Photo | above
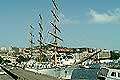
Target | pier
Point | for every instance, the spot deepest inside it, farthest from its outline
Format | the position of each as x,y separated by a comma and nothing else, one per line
21,74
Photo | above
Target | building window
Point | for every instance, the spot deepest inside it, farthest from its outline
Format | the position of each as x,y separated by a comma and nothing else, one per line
113,74
118,74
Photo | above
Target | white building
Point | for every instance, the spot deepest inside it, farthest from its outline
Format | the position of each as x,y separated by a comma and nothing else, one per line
3,49
104,54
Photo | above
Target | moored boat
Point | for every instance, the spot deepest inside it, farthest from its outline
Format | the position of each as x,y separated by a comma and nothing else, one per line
108,74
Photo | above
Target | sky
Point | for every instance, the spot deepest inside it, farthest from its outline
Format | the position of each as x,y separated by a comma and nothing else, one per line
83,23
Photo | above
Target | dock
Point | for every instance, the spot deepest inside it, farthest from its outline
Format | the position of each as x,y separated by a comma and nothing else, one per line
26,75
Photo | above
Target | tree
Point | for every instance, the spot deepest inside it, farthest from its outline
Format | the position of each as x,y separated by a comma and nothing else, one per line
20,59
115,55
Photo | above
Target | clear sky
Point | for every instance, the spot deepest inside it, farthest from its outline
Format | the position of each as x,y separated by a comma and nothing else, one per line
84,23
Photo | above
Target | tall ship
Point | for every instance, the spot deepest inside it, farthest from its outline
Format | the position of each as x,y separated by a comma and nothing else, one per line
57,65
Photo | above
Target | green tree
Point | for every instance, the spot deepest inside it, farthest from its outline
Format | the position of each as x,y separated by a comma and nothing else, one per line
27,58
44,59
20,59
115,55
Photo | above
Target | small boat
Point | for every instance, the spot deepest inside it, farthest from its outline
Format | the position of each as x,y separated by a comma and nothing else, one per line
108,74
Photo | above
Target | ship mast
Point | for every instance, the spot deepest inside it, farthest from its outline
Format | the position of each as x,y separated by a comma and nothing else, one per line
40,37
31,40
55,29
55,40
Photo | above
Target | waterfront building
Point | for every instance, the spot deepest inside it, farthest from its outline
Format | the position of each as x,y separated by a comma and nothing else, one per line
3,49
104,54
